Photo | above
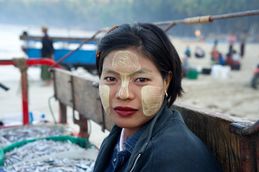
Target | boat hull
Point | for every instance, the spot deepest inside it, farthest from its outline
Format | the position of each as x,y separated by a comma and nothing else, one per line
78,58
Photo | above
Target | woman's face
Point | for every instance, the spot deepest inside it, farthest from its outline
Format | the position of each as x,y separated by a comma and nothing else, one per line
131,88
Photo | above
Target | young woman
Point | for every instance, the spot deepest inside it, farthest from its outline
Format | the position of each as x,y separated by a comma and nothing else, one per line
140,78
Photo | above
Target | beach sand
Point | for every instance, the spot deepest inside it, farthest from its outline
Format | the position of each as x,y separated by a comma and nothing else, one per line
230,95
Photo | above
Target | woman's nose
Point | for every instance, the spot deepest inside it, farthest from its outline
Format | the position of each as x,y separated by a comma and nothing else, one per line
124,92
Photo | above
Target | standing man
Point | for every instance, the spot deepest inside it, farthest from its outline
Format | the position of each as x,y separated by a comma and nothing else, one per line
242,43
47,51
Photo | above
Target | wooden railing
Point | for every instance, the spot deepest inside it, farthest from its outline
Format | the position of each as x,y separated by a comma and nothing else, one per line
235,144
22,64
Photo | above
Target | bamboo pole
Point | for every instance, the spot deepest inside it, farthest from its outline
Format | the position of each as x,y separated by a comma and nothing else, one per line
205,19
169,24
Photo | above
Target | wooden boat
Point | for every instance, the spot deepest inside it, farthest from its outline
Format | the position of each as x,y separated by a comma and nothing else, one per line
84,57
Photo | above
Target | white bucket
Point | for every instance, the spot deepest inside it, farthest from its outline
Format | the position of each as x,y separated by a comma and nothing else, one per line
220,72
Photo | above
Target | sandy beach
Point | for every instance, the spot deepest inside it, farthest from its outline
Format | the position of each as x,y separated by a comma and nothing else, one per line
231,95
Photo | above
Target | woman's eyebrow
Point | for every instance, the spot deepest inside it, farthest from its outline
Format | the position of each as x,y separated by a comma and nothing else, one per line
142,71
109,71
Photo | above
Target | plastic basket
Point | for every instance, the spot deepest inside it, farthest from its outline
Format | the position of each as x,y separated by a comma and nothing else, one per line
192,74
82,142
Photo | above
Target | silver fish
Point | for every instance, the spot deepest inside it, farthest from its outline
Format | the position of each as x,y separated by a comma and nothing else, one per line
15,134
47,155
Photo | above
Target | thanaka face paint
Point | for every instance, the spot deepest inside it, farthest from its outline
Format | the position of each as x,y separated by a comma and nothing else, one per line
104,91
126,63
152,99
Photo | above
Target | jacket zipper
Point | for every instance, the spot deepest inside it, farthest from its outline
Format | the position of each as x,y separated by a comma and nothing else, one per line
135,162
148,138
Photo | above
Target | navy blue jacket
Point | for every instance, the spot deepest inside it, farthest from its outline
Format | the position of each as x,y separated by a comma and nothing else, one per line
166,145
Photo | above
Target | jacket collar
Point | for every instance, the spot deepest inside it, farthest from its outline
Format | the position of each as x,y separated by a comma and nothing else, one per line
149,129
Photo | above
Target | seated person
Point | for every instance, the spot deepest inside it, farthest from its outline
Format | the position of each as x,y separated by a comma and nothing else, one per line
199,52
140,78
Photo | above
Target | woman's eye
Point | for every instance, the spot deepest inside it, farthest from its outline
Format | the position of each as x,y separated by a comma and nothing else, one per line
110,79
142,80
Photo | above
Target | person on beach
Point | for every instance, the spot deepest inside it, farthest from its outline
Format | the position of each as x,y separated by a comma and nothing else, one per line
231,40
243,37
47,51
255,79
140,78
185,61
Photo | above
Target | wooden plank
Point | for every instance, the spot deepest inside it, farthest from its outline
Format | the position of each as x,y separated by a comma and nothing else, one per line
54,38
81,94
235,152
62,113
87,101
62,83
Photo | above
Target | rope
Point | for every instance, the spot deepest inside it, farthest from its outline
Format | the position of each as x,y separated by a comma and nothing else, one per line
80,45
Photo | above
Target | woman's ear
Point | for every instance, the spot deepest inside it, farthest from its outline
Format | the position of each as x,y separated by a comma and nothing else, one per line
168,79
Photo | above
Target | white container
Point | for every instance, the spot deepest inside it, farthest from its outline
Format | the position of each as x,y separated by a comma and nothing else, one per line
220,72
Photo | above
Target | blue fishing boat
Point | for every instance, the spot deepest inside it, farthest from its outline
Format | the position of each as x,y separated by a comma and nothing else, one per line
83,56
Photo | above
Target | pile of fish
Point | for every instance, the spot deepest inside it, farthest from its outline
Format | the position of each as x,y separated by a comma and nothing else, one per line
61,165
48,155
15,134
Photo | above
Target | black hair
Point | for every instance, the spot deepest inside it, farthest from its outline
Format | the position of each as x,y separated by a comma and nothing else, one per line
153,43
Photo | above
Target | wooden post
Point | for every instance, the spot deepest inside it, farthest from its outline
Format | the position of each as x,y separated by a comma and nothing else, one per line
246,155
62,113
83,126
22,65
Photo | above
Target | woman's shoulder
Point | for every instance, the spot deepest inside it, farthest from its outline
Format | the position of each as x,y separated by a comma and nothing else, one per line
180,146
170,119
173,131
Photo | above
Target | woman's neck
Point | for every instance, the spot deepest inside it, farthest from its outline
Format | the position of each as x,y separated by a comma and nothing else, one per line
129,132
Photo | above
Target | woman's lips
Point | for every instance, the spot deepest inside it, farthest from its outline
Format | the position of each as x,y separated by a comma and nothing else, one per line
124,111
